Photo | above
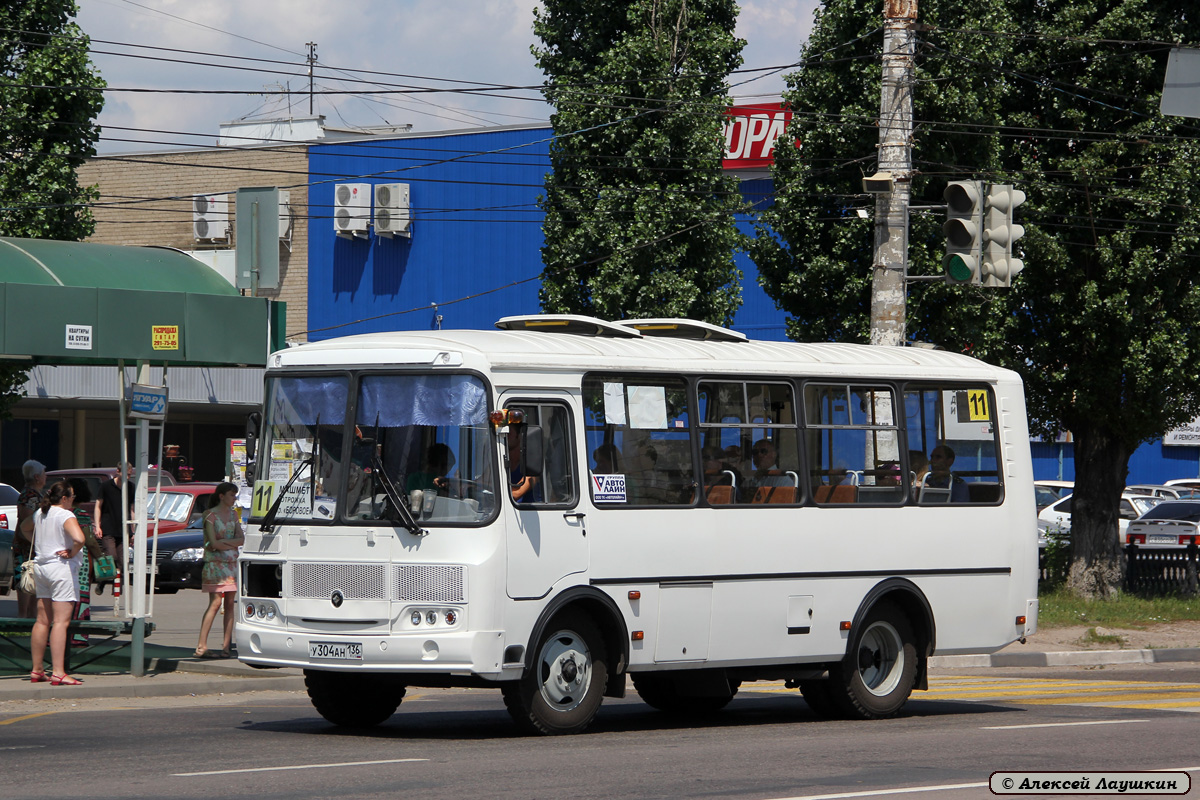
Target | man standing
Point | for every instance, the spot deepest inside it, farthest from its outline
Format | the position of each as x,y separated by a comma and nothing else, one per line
34,473
108,515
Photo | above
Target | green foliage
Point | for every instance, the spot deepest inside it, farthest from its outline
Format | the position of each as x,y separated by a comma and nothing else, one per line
48,105
638,214
1060,98
48,90
1059,608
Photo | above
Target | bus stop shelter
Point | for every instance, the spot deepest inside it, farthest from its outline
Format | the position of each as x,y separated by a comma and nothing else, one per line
76,303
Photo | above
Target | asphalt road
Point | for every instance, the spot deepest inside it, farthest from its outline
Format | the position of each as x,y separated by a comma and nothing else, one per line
461,744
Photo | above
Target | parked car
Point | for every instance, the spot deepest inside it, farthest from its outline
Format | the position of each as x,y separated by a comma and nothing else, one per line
1058,515
1163,490
1172,523
95,477
179,560
1187,483
176,507
1047,492
8,527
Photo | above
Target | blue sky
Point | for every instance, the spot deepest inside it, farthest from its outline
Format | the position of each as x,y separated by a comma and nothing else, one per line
458,41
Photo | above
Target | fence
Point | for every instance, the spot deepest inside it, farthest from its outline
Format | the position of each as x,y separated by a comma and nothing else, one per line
1147,571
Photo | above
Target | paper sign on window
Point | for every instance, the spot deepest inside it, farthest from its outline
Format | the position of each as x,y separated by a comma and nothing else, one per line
614,403
647,407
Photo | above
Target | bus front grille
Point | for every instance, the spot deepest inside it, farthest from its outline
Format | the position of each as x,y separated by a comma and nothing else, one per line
430,583
354,581
411,583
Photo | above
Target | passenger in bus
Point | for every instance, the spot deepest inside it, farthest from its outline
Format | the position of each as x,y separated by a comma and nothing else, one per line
648,484
941,459
766,466
439,460
608,460
524,488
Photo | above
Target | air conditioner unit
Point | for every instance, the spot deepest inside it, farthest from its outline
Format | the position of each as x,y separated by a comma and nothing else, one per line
352,209
285,215
393,214
210,216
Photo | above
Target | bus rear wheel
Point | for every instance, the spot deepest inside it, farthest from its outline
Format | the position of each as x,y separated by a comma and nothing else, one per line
561,692
353,699
877,675
660,691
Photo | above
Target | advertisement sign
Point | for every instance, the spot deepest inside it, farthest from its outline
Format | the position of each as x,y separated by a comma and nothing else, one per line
751,133
1186,435
148,402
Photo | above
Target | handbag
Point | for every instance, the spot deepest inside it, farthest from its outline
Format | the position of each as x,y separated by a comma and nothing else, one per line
28,575
105,568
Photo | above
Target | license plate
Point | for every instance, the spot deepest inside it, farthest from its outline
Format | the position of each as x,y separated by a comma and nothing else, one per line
349,651
1162,538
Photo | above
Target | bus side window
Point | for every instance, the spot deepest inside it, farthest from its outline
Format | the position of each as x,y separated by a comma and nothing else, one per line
952,439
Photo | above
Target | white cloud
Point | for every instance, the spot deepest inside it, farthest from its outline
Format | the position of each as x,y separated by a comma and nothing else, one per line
460,40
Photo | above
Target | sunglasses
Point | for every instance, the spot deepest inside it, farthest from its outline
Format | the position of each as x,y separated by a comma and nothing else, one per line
762,451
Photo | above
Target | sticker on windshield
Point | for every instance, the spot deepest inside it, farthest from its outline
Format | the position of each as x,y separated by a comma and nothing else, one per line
608,488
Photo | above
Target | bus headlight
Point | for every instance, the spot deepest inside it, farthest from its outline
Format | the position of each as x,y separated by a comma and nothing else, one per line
416,618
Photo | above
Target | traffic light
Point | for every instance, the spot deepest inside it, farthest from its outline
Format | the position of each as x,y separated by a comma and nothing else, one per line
999,232
964,231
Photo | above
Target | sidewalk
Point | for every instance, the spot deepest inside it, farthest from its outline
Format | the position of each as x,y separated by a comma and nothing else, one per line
171,671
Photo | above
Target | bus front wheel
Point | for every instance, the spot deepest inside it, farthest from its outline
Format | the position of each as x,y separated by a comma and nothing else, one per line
353,699
877,675
561,692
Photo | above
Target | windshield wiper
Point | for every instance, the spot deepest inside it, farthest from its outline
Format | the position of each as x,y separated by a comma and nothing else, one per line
268,523
398,504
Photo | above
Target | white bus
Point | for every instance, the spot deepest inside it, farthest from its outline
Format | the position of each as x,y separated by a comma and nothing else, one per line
565,503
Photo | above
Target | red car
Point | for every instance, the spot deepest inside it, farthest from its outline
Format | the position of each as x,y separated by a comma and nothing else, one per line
175,507
95,477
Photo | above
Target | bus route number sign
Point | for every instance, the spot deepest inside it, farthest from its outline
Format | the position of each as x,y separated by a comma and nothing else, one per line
973,406
264,495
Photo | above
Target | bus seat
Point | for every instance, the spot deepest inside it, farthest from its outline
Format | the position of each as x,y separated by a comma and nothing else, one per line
775,494
842,493
720,495
984,492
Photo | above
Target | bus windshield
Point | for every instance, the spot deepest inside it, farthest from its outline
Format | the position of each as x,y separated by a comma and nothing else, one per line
420,440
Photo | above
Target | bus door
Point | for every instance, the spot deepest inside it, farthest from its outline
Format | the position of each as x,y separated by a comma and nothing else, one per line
545,527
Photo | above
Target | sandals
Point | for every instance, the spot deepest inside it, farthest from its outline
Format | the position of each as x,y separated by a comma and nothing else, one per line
198,653
37,676
64,680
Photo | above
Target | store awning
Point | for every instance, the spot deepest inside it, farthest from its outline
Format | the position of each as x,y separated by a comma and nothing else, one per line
82,303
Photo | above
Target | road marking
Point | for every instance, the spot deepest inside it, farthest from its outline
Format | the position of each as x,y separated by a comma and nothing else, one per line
300,766
1138,695
918,789
1061,724
27,716
881,792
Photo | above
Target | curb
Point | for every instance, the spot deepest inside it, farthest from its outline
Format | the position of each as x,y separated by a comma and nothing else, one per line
1074,658
151,686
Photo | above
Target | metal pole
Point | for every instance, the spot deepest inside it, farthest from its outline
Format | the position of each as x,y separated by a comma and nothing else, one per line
137,602
895,156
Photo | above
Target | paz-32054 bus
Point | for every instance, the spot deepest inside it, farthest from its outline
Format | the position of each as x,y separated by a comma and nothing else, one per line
565,504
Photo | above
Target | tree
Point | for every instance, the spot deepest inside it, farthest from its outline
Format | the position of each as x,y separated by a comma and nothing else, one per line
1059,97
638,215
49,99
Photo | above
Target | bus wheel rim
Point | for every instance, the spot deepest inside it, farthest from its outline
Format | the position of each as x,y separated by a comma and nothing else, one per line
880,658
565,670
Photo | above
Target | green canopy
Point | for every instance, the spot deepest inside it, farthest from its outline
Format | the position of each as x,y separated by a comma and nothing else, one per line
82,303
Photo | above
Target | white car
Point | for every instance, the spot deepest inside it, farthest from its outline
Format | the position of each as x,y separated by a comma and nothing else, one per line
1165,491
8,527
1047,492
1057,516
1173,523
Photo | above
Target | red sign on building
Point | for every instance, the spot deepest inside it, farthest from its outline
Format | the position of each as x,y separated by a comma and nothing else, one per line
750,134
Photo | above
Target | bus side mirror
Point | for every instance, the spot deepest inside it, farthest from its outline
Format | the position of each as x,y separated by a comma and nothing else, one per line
534,456
253,422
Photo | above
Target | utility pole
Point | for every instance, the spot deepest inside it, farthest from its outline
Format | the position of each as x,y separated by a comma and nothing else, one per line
312,59
890,268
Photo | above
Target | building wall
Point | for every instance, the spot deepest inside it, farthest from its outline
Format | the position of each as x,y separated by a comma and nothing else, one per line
146,199
475,253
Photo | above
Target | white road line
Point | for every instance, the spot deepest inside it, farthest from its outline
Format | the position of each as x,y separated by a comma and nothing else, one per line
299,766
918,789
1062,724
881,792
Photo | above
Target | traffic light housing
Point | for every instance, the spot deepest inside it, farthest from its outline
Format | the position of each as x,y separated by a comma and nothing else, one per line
964,231
999,267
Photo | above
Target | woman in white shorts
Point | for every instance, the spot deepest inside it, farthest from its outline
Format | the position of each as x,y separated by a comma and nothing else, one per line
57,543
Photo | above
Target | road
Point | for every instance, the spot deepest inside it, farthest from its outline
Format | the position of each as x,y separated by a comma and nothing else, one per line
461,744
